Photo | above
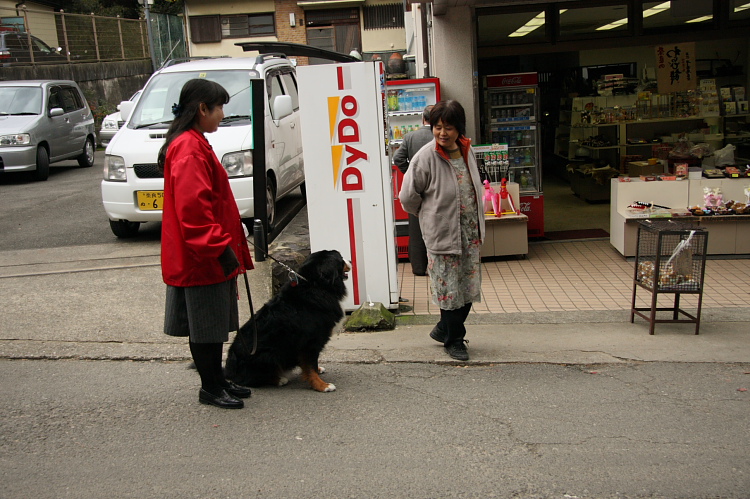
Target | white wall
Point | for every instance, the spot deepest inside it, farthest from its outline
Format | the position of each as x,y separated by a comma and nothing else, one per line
454,59
213,7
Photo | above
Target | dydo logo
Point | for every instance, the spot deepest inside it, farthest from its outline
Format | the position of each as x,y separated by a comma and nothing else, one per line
345,133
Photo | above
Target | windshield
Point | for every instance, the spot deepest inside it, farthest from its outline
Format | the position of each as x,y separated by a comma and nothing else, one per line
154,108
20,100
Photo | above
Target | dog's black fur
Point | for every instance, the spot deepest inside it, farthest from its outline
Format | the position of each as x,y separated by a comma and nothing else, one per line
293,327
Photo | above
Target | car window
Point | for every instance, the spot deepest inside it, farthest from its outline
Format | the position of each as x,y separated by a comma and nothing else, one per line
40,46
54,98
274,88
16,44
154,106
69,101
20,100
290,84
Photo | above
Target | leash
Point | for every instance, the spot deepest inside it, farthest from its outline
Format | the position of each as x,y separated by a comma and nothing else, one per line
293,278
252,316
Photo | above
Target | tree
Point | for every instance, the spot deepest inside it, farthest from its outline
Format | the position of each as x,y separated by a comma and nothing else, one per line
130,9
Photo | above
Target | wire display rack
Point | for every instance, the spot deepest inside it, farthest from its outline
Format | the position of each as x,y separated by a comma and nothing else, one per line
670,259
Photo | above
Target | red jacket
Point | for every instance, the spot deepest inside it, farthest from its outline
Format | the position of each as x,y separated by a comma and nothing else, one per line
200,215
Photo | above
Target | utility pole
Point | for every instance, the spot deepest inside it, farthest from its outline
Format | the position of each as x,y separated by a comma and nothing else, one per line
149,31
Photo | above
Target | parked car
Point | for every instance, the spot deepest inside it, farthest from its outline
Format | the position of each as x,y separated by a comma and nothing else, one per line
43,122
132,188
112,123
17,47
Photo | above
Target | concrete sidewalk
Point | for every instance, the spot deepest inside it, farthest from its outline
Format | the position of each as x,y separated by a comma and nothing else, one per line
107,302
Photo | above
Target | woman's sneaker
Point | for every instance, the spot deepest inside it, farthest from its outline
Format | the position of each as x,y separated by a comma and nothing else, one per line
457,350
438,334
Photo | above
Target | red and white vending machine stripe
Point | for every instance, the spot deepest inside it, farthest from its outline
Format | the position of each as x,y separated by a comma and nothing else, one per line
348,174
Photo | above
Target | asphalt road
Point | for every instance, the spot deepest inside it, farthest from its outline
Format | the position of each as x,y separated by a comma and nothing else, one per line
93,429
66,210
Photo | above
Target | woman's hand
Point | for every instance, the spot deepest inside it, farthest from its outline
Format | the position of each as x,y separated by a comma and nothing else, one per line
228,261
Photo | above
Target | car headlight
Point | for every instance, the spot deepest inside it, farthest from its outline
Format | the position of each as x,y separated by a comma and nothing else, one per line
109,125
16,139
238,164
114,168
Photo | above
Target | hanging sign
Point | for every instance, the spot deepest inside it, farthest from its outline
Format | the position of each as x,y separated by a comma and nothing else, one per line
675,67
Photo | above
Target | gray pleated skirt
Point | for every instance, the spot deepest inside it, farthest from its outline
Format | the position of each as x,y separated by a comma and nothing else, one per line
204,313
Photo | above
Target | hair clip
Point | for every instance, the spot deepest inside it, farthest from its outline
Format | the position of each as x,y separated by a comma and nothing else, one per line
176,110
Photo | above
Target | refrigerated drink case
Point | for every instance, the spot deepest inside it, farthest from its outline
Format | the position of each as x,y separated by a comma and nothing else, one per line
406,99
511,114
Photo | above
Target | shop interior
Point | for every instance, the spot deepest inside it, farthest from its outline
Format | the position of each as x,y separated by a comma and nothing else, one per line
572,74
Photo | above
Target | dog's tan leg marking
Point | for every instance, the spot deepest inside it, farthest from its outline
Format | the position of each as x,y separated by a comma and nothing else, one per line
310,375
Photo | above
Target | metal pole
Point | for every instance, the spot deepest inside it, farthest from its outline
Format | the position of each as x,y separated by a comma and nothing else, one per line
257,112
150,34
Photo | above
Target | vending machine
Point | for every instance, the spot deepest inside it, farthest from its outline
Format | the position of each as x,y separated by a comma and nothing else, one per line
406,99
511,114
345,136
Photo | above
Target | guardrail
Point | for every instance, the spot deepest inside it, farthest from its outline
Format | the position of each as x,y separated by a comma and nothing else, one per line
68,38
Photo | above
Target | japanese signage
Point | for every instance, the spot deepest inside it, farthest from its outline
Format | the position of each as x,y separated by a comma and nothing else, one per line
675,67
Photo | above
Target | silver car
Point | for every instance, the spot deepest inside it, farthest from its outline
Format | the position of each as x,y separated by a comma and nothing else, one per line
43,122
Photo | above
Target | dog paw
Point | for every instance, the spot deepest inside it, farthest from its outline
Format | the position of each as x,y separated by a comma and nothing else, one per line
321,369
330,388
283,381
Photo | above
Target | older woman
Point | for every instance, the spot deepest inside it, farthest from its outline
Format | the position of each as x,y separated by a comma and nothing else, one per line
443,188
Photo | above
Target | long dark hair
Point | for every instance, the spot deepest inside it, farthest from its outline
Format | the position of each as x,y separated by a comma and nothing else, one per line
450,112
193,93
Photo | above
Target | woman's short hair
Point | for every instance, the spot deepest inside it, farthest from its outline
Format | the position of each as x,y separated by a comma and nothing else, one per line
450,112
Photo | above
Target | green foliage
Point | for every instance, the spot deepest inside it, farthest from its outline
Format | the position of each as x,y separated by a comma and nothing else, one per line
129,9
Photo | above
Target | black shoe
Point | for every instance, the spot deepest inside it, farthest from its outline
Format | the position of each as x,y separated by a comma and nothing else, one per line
421,274
457,350
223,400
438,334
238,391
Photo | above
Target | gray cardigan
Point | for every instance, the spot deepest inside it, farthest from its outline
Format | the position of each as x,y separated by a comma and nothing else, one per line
430,191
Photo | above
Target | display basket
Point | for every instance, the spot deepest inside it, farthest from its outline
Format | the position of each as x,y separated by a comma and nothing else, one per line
670,258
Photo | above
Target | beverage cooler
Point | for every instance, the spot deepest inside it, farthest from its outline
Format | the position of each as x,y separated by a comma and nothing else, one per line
348,174
511,113
406,99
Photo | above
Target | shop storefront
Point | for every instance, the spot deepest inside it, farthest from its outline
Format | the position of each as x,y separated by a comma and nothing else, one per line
603,104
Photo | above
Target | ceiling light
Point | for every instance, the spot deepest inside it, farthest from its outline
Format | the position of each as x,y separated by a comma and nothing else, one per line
742,7
657,9
530,26
699,19
533,24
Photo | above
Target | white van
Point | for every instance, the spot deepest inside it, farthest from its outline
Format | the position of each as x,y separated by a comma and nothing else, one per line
132,188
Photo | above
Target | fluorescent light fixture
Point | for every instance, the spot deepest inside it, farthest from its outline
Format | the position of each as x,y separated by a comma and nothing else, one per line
530,26
739,8
657,9
533,24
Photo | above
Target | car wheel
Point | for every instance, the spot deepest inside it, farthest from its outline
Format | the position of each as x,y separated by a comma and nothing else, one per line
270,203
86,159
124,228
42,164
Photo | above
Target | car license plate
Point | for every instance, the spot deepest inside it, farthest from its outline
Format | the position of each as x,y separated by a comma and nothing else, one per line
150,200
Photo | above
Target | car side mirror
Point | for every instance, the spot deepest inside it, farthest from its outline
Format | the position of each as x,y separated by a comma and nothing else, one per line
126,108
56,111
282,107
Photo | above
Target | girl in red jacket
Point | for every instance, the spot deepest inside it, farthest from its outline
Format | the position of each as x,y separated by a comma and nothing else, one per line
203,244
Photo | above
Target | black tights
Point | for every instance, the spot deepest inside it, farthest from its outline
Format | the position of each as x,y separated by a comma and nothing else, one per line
207,358
452,323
